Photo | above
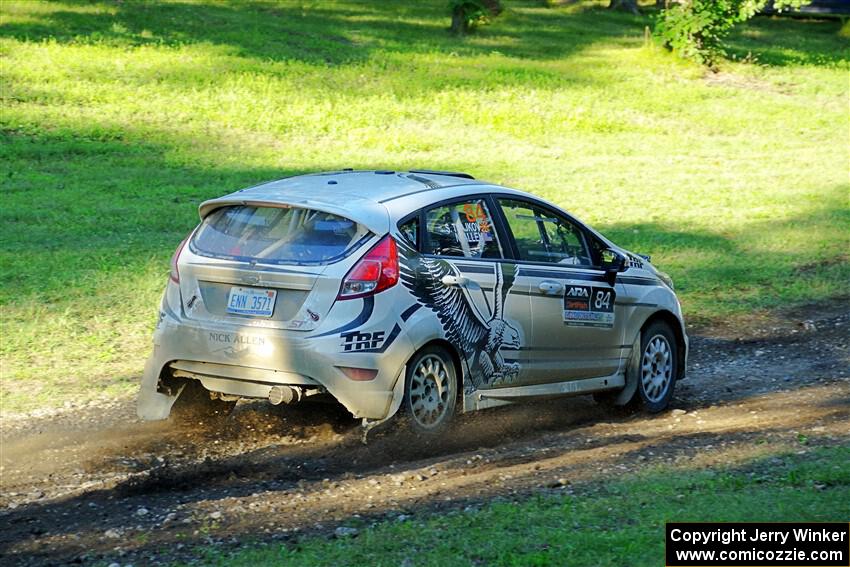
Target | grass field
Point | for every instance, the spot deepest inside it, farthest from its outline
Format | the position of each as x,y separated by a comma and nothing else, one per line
119,118
619,523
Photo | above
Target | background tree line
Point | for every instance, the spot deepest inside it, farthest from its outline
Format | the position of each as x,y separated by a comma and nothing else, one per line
694,29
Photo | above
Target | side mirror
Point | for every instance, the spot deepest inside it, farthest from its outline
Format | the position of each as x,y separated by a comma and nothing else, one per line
613,263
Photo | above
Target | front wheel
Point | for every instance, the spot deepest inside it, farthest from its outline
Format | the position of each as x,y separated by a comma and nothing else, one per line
430,391
657,366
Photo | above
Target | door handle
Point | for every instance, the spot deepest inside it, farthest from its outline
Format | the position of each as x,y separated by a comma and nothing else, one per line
550,287
449,279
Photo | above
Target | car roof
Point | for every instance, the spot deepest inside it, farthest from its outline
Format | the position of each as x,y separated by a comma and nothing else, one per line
355,194
375,185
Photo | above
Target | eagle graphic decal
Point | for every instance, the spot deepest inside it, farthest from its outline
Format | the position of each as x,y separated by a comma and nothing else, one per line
478,338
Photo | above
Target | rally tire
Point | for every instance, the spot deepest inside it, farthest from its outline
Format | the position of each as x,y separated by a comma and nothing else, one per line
657,366
430,392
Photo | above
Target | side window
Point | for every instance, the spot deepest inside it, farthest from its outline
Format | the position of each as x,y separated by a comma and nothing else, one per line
544,237
462,229
410,231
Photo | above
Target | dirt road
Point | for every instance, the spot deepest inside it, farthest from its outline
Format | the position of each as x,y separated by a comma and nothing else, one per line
95,484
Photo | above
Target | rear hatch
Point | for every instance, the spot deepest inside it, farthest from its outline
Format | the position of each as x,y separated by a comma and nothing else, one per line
268,264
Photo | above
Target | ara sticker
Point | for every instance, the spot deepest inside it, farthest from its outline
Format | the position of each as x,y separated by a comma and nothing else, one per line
589,306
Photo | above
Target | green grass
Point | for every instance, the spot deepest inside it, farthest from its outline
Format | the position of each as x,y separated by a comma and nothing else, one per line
119,118
617,523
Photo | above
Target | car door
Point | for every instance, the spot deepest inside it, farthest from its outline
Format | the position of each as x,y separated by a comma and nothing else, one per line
575,332
497,324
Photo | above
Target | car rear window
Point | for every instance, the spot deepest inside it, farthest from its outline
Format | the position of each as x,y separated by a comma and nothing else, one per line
278,235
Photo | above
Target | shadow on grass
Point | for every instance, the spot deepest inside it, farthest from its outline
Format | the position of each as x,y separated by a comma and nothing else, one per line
255,29
347,33
98,205
702,261
780,41
341,34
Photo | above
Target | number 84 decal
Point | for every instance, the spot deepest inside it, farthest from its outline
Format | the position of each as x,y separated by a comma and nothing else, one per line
589,306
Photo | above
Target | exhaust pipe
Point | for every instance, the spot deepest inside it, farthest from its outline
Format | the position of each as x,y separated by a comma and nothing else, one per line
284,395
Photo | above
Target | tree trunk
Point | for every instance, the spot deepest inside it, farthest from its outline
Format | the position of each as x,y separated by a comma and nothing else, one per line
625,6
661,4
459,23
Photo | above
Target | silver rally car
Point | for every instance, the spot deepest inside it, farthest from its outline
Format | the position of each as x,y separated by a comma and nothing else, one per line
421,292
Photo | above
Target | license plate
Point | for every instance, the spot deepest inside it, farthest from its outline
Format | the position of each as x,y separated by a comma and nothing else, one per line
251,301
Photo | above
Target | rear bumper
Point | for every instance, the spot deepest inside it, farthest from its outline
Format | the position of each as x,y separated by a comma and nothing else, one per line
249,361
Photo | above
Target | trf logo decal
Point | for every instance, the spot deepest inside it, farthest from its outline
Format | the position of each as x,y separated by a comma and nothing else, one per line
358,340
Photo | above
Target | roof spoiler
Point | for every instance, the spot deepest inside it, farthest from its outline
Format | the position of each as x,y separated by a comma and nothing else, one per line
437,172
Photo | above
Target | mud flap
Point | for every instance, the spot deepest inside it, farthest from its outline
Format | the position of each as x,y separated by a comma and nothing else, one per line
153,405
395,403
628,392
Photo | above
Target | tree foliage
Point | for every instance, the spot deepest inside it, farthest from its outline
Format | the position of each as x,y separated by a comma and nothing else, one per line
696,29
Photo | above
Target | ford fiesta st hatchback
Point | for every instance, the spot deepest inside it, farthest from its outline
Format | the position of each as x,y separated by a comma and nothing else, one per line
420,292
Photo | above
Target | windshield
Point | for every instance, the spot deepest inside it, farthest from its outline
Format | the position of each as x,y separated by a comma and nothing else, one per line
277,235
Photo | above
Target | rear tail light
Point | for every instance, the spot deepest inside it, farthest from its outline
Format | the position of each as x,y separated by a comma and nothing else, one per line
175,273
375,272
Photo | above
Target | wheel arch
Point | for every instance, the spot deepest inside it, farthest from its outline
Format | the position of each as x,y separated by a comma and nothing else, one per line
456,359
670,319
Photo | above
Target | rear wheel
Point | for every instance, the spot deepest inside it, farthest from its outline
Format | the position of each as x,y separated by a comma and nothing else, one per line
430,391
196,403
657,366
